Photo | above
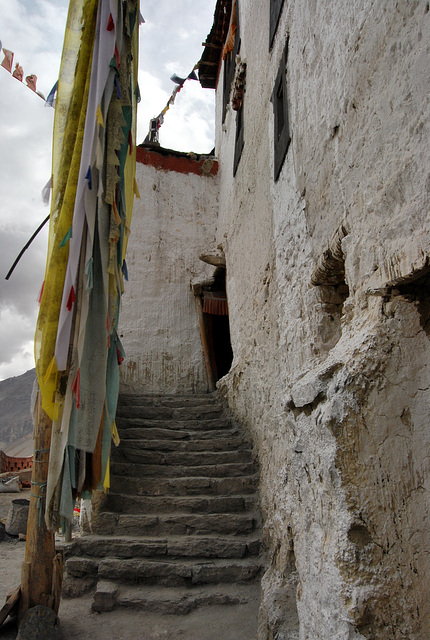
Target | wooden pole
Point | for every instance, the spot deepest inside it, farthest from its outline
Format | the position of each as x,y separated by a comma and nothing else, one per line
209,370
37,569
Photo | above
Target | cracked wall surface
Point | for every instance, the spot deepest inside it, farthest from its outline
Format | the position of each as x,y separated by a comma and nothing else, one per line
332,379
328,273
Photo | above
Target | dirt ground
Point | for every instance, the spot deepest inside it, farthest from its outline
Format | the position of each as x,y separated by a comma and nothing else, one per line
78,622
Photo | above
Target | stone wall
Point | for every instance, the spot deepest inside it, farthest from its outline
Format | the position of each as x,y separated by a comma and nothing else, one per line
330,369
173,223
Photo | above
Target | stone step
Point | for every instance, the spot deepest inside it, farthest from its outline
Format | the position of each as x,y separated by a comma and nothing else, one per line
180,527
132,469
173,572
176,524
194,413
184,400
191,444
131,452
171,600
99,546
184,486
129,432
170,504
174,424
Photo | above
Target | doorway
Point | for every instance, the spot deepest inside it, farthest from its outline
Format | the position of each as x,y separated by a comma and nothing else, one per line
216,328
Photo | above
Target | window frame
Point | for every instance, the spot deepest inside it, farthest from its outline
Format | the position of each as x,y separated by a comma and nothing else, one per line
239,139
275,14
230,66
281,128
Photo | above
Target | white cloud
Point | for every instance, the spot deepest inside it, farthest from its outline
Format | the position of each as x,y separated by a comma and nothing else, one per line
16,342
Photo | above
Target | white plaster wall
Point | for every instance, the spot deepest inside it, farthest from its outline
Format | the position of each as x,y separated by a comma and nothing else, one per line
172,224
337,407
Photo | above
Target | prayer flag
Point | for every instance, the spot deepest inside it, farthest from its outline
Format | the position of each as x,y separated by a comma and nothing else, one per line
46,192
18,72
110,24
8,60
99,116
31,82
177,79
50,100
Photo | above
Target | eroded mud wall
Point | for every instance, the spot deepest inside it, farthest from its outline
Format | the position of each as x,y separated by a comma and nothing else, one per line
327,281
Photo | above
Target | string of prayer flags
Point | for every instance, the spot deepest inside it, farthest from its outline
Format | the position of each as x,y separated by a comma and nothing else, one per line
18,72
155,123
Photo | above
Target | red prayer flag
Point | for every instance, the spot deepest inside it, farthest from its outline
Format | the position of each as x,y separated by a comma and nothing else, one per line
39,297
8,60
19,72
117,58
71,299
31,82
76,388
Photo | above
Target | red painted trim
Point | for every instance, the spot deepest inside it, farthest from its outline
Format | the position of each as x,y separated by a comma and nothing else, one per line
14,463
180,164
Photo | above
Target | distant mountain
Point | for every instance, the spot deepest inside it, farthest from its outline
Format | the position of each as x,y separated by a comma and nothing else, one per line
16,425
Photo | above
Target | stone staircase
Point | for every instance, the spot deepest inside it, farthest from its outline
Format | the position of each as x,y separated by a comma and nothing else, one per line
180,527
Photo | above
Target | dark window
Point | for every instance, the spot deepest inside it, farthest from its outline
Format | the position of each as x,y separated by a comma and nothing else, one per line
275,12
238,146
229,67
280,111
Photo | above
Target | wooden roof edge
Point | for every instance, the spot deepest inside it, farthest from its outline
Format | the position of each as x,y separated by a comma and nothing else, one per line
211,58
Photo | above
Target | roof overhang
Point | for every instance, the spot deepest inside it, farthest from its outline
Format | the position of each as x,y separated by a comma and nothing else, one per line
211,59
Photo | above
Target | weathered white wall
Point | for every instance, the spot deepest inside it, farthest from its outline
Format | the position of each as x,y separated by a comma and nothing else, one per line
336,397
172,224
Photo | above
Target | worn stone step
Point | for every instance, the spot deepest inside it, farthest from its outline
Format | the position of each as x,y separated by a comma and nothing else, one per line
203,412
186,486
171,600
130,452
167,572
174,424
191,444
111,523
129,432
176,400
99,546
169,504
180,471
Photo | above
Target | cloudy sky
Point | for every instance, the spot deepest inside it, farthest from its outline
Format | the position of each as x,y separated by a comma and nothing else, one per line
170,42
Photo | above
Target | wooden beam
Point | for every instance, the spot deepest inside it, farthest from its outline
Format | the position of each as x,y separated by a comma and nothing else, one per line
209,370
37,569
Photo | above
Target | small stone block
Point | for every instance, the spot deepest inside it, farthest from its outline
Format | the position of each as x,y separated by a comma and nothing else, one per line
105,596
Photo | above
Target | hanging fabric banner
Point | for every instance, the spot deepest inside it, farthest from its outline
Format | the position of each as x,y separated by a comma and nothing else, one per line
94,155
